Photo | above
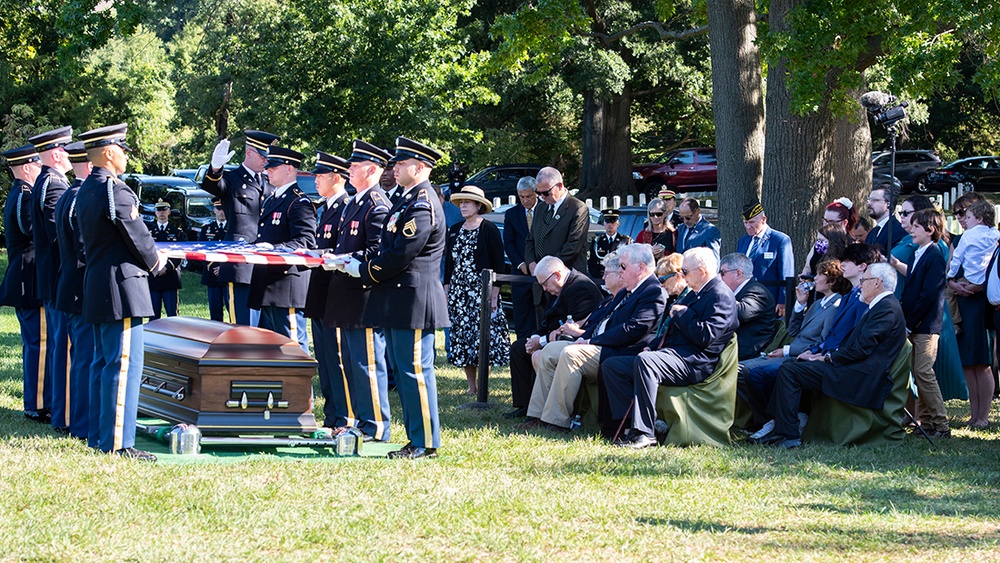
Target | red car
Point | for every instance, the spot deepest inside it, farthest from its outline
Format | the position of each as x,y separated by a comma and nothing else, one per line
682,170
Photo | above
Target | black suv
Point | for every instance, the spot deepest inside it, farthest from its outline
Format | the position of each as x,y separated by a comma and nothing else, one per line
190,206
500,181
911,168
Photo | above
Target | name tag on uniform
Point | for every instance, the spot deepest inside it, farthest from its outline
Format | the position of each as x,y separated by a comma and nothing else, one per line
768,256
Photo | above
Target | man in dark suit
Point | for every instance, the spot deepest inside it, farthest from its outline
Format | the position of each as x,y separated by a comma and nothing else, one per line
49,187
18,287
517,222
361,347
881,202
218,298
702,324
696,231
560,227
164,285
769,250
575,298
120,255
626,330
754,305
407,299
857,373
69,295
242,190
287,219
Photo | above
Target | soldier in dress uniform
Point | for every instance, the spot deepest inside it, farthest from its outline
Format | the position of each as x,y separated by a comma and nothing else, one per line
69,295
407,298
605,244
218,298
49,187
242,190
18,289
287,219
163,285
362,345
331,183
120,256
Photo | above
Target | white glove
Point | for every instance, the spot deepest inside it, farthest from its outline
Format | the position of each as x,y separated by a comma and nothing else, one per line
332,264
353,268
264,246
221,154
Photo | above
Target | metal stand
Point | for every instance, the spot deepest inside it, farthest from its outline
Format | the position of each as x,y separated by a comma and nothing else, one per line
160,432
919,428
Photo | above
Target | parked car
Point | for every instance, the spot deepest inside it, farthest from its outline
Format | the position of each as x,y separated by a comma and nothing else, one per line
188,173
190,206
499,181
682,170
978,173
912,167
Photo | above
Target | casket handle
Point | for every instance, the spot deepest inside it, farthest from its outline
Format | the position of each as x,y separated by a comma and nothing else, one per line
160,387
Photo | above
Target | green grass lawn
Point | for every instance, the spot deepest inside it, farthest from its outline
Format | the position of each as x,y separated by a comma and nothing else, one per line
497,494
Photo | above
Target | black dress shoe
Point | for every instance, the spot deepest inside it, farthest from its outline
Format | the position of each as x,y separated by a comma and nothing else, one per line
517,413
61,430
38,416
778,441
636,441
409,451
132,453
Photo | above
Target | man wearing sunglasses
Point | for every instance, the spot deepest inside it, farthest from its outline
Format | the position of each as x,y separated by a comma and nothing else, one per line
696,230
560,225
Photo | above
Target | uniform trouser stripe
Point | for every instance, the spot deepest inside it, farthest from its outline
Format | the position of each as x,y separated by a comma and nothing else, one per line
373,383
42,354
351,419
418,368
232,303
69,375
122,384
293,325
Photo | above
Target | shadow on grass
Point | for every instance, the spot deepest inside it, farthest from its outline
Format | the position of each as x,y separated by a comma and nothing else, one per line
696,526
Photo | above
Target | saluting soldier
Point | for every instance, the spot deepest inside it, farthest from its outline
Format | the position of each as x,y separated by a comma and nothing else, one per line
18,289
605,244
49,187
287,219
407,298
163,285
120,255
69,295
218,298
242,190
331,183
362,345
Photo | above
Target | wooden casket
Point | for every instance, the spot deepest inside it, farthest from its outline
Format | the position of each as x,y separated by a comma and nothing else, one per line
226,379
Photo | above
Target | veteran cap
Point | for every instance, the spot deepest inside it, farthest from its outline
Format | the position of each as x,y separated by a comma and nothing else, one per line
362,151
276,156
77,154
610,215
326,163
408,148
21,155
752,210
160,204
260,140
52,139
104,136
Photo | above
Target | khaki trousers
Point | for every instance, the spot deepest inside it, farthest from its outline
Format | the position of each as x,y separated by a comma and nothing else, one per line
930,403
553,397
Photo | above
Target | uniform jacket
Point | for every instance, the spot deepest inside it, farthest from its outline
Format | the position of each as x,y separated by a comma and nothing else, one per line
242,195
773,260
563,235
860,374
287,221
326,238
923,295
811,326
358,232
211,232
169,280
700,332
49,187
119,249
632,321
406,274
755,311
18,288
579,297
702,234
515,233
69,293
601,247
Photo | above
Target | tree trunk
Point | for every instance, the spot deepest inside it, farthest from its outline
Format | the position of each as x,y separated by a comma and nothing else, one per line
606,167
738,107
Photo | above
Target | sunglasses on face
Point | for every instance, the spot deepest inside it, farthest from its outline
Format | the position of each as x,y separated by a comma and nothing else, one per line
905,213
656,214
543,194
666,277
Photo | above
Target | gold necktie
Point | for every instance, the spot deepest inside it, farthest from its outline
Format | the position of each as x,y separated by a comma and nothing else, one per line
529,218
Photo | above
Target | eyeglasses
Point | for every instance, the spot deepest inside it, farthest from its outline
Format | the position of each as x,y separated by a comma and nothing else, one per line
687,218
905,213
685,271
875,200
666,277
863,280
724,272
831,221
546,280
622,266
656,214
543,194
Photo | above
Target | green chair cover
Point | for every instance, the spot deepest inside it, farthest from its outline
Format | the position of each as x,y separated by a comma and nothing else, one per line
843,424
781,337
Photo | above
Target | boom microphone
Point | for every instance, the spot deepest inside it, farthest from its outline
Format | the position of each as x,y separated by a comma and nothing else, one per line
875,100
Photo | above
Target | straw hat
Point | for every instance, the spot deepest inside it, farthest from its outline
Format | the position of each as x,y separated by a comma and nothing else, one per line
472,193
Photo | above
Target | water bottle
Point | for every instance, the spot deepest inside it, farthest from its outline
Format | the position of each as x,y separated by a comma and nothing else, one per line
576,423
569,319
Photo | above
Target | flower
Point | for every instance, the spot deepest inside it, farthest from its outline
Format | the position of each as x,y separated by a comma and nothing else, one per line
845,202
